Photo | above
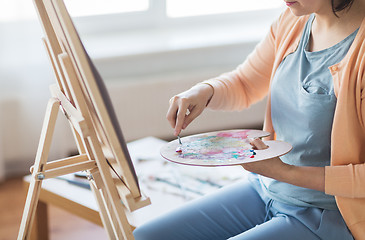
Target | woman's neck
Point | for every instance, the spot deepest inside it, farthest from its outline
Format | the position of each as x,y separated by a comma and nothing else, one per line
328,29
352,16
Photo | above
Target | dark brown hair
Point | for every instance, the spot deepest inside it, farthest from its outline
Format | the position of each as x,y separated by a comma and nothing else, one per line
341,5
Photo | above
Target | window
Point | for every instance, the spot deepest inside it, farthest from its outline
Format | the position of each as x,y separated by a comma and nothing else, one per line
186,8
18,10
99,7
139,13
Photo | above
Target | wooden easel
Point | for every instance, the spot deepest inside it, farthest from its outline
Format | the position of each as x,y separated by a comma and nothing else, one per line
102,151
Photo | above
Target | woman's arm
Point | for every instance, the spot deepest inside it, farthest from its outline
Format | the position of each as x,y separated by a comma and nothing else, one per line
250,81
306,177
347,177
234,90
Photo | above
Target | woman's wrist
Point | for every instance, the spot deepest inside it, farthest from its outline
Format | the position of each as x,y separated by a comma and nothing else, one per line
207,90
305,176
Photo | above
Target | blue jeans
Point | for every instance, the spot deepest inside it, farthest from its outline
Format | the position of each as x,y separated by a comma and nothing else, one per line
242,211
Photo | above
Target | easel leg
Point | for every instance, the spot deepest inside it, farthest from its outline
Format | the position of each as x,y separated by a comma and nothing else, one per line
113,218
40,226
41,159
102,210
111,195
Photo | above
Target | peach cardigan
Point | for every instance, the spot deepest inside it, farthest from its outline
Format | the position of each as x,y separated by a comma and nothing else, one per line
250,82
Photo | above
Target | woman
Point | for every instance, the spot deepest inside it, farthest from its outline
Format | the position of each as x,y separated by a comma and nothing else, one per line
312,67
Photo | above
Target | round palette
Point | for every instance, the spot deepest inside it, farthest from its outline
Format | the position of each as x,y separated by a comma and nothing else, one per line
222,148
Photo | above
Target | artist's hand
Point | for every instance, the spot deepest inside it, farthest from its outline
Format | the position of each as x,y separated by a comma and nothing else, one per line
188,105
302,176
271,168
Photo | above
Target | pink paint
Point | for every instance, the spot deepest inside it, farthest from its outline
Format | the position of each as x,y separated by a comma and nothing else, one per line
214,152
239,134
225,134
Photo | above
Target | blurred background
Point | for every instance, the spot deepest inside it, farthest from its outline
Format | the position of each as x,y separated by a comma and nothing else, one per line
146,50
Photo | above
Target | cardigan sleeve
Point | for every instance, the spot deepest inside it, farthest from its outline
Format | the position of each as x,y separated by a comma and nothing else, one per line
249,82
346,180
349,180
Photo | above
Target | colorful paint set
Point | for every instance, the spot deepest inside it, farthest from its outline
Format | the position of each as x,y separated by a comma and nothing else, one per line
220,147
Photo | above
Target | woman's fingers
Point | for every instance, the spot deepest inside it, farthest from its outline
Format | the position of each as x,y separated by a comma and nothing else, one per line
180,116
187,106
171,113
258,144
194,113
177,112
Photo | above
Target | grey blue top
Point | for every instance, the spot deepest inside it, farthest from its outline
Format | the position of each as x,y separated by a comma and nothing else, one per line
302,107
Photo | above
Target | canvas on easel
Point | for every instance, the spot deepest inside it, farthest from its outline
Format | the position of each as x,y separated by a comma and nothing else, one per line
83,98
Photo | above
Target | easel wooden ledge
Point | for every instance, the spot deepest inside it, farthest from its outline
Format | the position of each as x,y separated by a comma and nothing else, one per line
94,135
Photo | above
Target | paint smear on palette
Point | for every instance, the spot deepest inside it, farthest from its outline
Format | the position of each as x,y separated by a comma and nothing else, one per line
220,147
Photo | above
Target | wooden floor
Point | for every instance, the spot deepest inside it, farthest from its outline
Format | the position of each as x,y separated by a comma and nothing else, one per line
62,224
